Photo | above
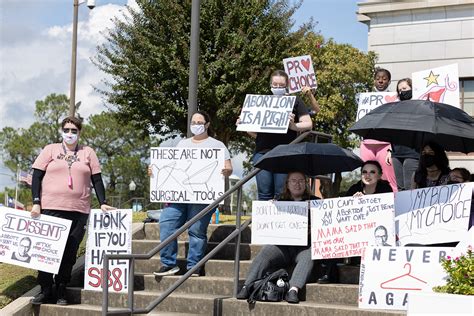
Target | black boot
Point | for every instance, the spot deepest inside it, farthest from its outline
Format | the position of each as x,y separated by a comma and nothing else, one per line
61,291
44,296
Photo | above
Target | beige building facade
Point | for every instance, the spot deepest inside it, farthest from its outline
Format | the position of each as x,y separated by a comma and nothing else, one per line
415,35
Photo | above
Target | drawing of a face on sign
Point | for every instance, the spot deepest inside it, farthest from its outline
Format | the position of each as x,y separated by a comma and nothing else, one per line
22,253
437,84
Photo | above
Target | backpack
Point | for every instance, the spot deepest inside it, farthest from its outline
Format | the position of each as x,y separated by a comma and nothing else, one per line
271,288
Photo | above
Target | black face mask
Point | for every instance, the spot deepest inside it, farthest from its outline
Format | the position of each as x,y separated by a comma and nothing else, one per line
428,160
405,95
452,182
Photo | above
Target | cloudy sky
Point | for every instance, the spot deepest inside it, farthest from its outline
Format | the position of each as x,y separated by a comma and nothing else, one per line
35,51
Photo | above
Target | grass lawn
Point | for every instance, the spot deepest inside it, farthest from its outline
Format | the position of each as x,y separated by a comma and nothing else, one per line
15,280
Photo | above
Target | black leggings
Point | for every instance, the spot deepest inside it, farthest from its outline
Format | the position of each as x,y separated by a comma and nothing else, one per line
76,233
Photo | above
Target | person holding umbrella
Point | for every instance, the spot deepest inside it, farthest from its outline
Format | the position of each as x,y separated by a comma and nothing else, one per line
269,184
403,158
433,167
273,257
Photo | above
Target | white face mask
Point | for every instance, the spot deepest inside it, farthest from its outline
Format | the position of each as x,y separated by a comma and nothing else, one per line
69,138
197,129
278,91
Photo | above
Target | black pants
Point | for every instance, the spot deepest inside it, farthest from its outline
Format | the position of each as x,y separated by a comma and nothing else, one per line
76,233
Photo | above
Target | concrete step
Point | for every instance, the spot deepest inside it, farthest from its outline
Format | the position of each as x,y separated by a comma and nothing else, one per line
232,306
340,294
204,304
224,305
91,310
247,251
221,268
215,232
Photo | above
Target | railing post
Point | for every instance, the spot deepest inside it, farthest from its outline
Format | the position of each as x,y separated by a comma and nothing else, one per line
237,242
105,285
131,283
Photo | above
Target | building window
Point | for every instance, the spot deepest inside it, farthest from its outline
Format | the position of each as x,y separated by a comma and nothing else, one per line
466,92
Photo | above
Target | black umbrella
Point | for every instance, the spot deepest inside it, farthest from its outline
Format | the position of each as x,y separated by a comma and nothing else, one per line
310,158
414,122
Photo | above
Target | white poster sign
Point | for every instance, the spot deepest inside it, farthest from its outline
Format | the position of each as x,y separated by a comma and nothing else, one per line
343,227
186,175
433,215
389,274
35,243
280,223
439,84
300,73
108,233
266,113
368,101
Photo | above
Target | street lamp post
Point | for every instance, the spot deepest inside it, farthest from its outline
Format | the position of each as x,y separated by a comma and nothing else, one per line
72,92
193,61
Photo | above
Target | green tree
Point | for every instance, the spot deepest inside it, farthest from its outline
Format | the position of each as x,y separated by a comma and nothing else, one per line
342,72
147,56
122,151
20,147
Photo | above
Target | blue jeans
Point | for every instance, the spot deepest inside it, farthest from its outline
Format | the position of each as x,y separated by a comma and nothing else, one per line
269,184
172,218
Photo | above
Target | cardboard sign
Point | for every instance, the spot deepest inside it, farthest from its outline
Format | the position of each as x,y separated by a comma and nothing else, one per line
389,274
439,84
433,215
368,101
266,113
186,175
280,223
108,233
343,227
300,73
35,243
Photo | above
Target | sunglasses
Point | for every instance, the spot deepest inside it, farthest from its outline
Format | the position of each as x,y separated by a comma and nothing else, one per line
70,130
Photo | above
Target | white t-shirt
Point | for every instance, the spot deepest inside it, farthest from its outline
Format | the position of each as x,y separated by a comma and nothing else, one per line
209,142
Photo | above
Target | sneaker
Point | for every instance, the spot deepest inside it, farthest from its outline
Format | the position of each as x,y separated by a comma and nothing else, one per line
243,293
324,279
292,297
165,270
196,273
45,296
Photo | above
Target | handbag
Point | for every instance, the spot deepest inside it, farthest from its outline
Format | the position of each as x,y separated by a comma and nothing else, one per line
271,288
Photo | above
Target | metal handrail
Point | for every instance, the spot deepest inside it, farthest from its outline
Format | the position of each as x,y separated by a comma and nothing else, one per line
183,278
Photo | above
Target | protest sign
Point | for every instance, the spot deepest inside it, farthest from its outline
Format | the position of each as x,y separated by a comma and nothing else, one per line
35,243
368,101
300,73
186,175
389,274
280,223
343,227
266,113
108,233
434,214
439,84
